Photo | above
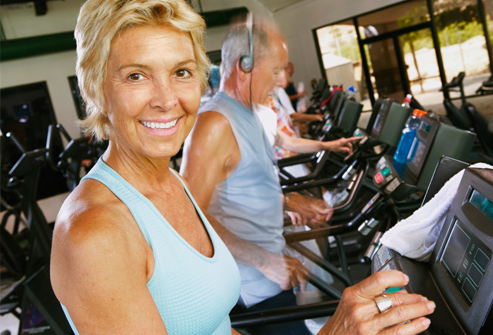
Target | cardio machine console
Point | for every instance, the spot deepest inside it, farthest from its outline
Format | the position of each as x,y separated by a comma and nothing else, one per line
459,275
386,178
362,134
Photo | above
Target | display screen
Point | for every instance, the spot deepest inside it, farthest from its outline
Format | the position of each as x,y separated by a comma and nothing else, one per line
22,112
377,125
482,203
417,152
418,148
465,259
455,250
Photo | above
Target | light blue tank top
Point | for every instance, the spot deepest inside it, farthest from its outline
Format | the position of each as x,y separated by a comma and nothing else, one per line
193,293
249,202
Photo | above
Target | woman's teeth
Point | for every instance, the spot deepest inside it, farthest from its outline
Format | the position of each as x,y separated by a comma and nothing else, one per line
160,125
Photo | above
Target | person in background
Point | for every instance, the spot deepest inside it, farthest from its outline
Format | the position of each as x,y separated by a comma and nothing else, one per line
287,140
290,89
229,165
132,252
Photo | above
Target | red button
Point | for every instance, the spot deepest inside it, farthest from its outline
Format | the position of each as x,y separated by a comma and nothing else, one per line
378,177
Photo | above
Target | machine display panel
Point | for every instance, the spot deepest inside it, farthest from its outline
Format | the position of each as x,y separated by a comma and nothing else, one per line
417,152
420,144
377,126
482,203
419,149
466,259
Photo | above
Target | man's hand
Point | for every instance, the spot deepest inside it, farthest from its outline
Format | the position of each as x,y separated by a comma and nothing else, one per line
287,271
311,210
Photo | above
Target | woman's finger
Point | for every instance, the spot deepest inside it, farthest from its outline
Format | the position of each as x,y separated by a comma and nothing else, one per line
404,298
379,282
397,299
414,327
403,313
354,138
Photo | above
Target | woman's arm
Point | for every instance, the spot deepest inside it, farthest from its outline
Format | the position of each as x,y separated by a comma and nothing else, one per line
303,145
303,117
100,268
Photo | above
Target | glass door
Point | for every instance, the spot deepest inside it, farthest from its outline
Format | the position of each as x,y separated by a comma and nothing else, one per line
420,63
387,69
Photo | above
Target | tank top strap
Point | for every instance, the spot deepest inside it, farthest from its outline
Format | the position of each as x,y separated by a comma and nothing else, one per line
133,199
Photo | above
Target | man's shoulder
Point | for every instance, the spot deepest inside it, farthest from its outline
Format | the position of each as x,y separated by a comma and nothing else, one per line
211,118
211,129
214,104
220,103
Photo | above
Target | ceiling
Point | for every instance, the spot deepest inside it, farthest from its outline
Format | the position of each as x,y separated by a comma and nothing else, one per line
271,5
276,5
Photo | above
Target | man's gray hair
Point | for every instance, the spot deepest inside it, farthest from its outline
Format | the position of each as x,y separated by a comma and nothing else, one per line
237,45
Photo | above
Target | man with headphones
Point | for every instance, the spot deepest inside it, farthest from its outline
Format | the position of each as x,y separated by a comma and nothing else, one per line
229,165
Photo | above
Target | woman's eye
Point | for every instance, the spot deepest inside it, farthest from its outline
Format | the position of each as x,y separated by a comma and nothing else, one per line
183,73
135,76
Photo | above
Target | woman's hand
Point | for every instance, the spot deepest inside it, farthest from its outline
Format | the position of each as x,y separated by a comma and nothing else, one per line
344,145
358,313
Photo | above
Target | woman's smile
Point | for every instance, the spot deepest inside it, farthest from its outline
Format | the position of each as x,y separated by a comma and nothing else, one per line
162,128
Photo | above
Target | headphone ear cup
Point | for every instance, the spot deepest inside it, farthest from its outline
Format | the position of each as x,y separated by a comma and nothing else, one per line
246,63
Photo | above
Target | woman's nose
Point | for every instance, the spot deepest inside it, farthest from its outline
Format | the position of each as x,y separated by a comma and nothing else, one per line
164,96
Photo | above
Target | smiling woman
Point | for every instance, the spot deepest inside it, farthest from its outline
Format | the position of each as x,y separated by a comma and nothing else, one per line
132,252
152,89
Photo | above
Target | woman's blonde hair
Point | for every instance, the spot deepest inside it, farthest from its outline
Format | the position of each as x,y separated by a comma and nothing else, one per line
100,21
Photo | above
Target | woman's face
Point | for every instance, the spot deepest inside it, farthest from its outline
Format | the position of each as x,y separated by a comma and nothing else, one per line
152,90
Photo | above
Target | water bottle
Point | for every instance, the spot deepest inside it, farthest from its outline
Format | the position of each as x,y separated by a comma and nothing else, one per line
407,100
351,91
408,134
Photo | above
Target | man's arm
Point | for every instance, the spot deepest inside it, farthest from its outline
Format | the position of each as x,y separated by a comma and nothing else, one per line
210,155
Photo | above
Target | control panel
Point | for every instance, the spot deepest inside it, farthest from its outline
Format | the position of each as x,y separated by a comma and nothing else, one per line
385,177
327,125
361,133
466,259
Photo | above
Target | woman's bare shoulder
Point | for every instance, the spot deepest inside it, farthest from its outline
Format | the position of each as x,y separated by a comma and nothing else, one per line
92,221
89,205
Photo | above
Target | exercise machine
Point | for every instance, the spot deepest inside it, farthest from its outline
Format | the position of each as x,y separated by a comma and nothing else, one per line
458,276
41,312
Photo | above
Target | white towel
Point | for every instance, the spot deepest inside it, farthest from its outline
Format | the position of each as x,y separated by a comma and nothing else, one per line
416,236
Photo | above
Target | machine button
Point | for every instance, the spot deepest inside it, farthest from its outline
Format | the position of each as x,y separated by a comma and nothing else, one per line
475,274
469,290
385,171
392,186
393,289
481,259
378,178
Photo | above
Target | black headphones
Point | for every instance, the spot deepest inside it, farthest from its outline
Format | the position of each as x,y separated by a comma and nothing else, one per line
246,61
